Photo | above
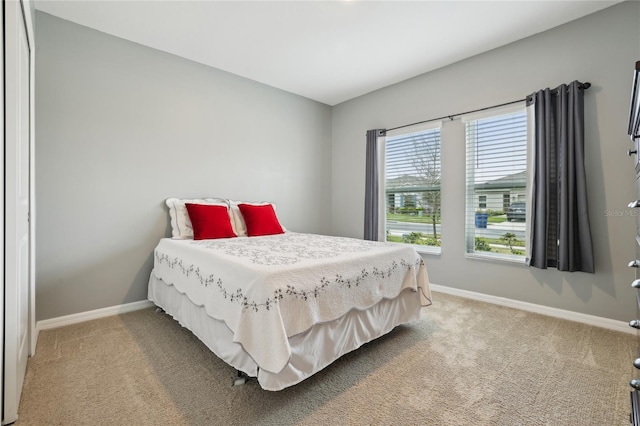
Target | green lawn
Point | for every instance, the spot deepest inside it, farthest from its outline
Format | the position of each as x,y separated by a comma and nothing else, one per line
398,217
497,219
517,243
503,250
496,244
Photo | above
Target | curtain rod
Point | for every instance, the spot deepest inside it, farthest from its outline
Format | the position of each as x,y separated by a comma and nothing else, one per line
452,116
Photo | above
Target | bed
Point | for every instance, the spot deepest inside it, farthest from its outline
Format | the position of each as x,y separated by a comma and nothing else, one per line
282,307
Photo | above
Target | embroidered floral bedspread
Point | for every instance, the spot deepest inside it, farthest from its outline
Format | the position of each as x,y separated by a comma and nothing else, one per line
273,287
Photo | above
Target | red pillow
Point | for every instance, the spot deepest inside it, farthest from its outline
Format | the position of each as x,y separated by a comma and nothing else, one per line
260,220
210,222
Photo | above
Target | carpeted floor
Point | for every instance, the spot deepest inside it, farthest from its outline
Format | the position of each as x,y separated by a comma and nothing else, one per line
463,363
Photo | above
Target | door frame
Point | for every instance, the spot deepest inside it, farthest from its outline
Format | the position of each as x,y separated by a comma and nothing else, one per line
28,11
4,141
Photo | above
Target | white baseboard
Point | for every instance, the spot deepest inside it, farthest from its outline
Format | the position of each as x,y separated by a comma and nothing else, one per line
538,309
91,315
525,306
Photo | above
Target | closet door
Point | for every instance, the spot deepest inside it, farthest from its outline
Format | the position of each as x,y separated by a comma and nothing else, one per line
17,126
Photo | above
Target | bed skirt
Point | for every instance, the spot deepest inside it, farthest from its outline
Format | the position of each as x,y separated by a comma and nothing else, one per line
311,351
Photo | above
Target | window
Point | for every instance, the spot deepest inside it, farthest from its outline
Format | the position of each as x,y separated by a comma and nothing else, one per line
506,201
496,180
412,189
482,201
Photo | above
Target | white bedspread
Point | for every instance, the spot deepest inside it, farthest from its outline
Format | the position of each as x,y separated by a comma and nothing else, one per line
267,289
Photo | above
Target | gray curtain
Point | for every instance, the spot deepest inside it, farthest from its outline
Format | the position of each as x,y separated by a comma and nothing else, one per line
371,186
560,236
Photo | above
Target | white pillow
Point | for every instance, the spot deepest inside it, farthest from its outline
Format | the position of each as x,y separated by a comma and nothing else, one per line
237,221
181,227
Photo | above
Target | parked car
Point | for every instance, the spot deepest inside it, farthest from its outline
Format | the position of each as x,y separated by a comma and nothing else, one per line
517,211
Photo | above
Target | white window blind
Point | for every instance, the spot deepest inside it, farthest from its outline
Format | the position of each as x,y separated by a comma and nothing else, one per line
412,189
496,176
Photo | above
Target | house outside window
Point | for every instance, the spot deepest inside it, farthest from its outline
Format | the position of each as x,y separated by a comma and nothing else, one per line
412,174
496,181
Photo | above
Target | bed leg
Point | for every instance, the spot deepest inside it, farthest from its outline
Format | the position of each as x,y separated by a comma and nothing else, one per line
240,379
159,310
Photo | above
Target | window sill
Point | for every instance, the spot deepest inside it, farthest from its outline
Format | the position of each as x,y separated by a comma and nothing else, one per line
422,249
434,251
518,260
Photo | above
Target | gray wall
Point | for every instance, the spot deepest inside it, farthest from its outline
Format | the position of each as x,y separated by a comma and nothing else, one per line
601,48
121,127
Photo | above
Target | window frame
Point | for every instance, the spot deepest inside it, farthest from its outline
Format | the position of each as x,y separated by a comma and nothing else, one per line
382,194
470,237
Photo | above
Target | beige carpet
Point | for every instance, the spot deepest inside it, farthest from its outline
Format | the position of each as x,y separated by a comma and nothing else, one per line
464,363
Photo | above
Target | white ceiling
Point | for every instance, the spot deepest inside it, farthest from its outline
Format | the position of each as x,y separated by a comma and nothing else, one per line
329,51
